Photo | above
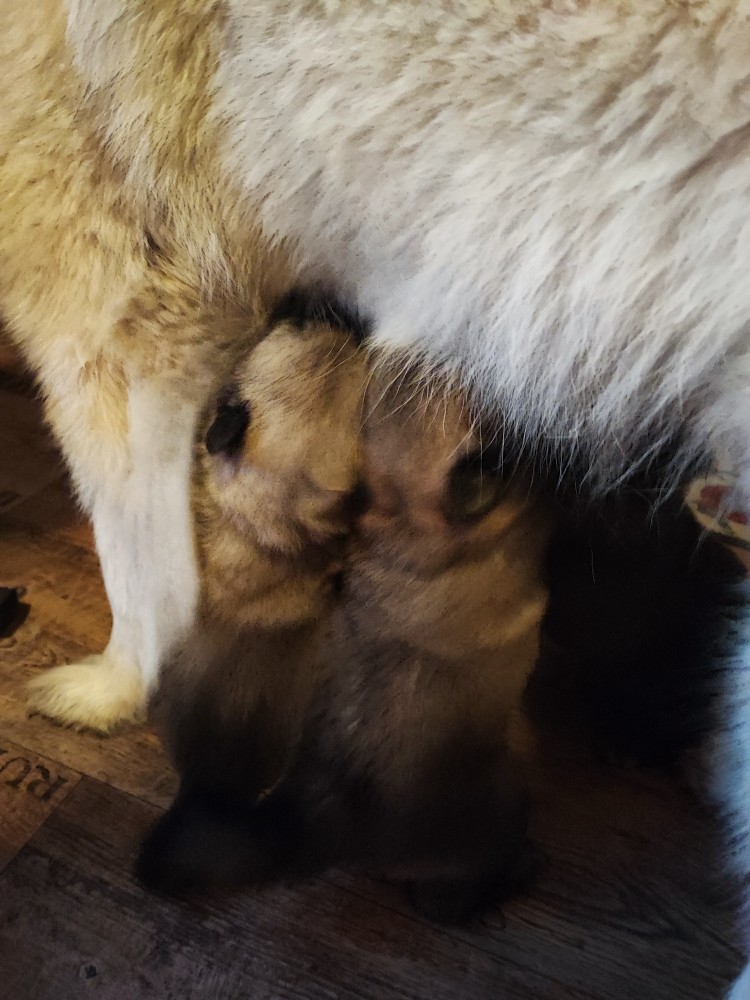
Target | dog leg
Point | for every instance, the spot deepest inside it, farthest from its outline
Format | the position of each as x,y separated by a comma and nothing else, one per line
142,522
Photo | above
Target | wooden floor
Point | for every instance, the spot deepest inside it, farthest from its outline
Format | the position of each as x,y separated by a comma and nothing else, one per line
626,903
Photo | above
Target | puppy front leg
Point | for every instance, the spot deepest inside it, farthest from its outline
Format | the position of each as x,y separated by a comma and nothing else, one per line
139,499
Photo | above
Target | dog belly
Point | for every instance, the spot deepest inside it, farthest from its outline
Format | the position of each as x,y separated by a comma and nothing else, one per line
497,206
567,249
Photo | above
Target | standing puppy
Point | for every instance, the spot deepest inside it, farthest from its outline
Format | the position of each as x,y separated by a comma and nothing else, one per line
274,496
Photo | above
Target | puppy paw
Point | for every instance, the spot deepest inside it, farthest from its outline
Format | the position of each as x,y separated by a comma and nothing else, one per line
99,693
448,901
204,843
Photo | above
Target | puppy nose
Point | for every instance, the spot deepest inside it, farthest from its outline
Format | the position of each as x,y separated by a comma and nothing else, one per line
227,431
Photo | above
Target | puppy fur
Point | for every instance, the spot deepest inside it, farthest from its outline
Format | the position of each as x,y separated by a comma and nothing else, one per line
365,726
273,499
544,201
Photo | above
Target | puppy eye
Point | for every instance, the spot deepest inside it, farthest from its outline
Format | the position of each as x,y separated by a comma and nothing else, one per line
227,431
475,486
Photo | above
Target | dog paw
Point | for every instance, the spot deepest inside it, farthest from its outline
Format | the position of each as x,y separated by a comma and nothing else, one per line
99,693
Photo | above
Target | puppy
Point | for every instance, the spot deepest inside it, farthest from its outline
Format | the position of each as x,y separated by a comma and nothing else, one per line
274,494
364,724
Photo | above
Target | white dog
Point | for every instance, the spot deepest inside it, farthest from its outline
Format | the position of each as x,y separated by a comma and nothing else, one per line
549,200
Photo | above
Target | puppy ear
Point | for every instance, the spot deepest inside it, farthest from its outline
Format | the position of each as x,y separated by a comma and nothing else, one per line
197,844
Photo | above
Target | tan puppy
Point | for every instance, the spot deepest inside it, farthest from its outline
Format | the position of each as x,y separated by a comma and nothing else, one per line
366,724
273,496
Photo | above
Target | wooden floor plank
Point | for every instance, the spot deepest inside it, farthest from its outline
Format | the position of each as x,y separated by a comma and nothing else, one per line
31,788
600,924
627,900
70,909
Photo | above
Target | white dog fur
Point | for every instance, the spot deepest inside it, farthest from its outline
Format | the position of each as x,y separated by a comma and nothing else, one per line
547,200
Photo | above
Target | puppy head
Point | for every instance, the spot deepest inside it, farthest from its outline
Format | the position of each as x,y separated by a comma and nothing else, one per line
451,540
437,487
275,479
281,460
